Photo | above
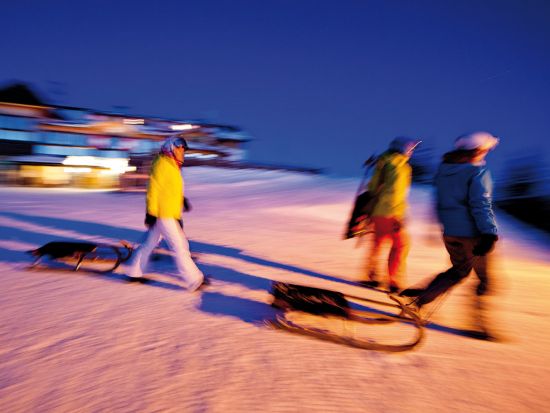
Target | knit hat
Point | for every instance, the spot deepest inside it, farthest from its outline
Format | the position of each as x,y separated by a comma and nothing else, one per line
403,144
172,143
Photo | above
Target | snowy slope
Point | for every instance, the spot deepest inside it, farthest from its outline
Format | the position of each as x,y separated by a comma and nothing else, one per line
84,342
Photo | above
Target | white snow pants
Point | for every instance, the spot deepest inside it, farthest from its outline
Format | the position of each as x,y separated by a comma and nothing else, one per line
170,230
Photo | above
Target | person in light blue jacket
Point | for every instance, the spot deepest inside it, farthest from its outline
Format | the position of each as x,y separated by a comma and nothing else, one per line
464,207
463,195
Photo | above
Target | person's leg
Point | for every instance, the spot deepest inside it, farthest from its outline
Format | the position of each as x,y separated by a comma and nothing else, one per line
175,237
481,266
460,253
461,258
398,256
483,300
380,234
140,258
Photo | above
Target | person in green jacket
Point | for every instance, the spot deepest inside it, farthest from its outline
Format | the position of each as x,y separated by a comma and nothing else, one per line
164,207
391,182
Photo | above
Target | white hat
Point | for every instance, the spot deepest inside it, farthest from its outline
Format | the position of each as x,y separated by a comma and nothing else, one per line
476,140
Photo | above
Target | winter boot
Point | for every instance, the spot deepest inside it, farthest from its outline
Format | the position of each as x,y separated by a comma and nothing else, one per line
372,282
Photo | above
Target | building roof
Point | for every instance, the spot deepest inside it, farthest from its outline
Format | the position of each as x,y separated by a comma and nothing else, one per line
21,94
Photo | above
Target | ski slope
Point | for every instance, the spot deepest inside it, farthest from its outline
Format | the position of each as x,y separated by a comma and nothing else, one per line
86,342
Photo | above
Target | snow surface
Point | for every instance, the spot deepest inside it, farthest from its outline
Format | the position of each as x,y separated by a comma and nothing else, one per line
88,343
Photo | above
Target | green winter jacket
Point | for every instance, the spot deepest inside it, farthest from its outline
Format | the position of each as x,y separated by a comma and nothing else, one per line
391,180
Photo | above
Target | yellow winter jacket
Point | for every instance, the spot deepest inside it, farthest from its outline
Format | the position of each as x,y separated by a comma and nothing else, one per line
165,189
392,177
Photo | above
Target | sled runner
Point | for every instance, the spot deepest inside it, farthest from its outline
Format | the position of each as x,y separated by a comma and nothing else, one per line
94,256
329,315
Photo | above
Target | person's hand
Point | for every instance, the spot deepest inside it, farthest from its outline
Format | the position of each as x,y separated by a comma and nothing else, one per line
150,220
397,225
485,245
187,205
355,227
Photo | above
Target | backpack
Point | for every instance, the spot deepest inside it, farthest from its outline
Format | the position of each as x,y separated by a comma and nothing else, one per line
365,202
362,210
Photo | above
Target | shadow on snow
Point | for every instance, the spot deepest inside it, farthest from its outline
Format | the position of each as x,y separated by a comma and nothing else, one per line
212,302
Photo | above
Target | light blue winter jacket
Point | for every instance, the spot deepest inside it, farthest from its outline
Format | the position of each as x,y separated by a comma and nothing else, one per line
464,200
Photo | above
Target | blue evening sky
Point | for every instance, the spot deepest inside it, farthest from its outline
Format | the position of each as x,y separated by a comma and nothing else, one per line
317,83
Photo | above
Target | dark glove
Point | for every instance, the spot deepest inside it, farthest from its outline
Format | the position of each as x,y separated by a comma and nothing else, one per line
485,245
150,220
397,226
187,205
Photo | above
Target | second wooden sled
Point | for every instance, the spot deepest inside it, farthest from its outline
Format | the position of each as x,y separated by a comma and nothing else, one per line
324,307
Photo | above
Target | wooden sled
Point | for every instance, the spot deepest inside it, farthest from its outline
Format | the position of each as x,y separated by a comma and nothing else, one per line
328,315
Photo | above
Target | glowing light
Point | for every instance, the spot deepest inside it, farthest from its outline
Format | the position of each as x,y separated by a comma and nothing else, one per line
115,166
77,170
183,126
134,121
201,155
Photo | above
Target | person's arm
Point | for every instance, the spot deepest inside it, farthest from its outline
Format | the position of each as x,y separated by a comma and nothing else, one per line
152,198
379,177
481,203
481,206
159,181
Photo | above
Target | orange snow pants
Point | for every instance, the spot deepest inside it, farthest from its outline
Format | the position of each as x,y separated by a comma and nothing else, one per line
389,228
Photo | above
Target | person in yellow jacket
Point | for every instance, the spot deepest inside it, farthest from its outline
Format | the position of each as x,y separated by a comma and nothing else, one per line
164,206
391,182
